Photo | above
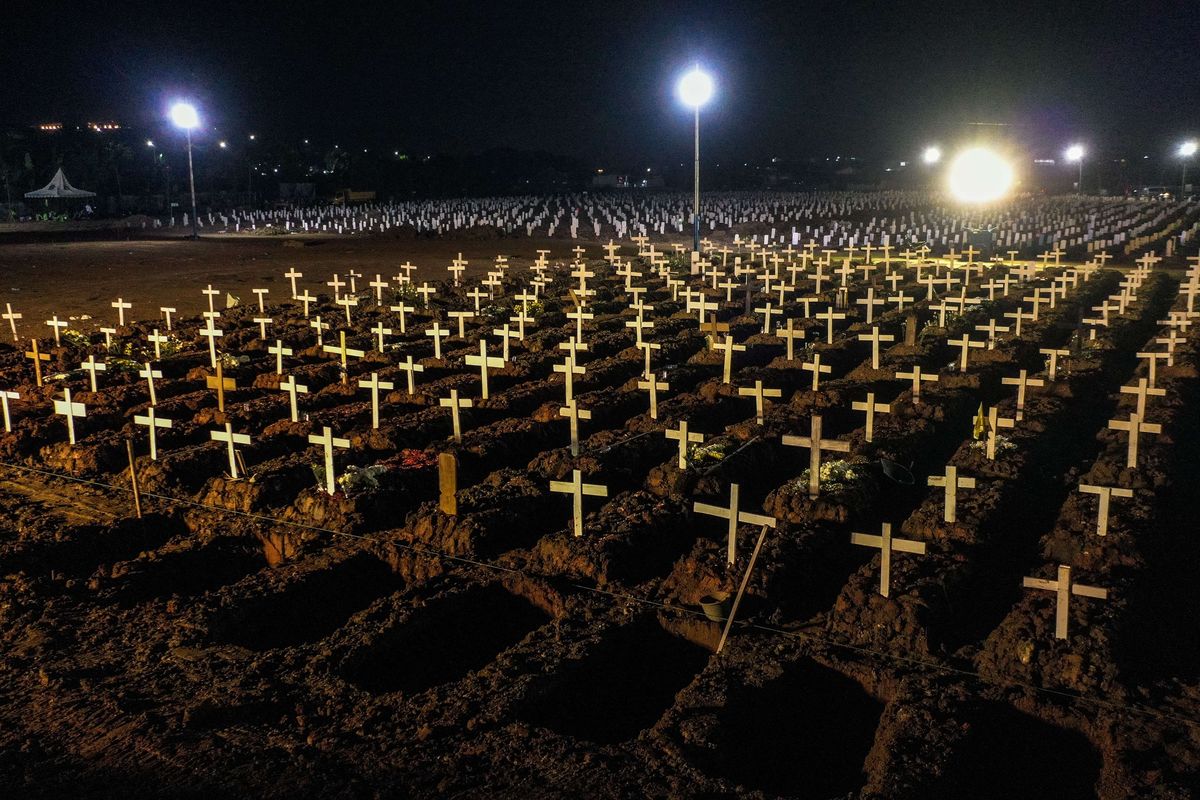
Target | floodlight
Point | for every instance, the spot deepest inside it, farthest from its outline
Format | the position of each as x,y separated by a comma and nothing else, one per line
1188,149
184,115
932,155
695,88
979,175
1074,153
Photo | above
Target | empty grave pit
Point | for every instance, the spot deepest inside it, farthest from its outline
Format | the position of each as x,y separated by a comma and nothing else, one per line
191,572
444,642
311,608
1007,753
620,688
806,733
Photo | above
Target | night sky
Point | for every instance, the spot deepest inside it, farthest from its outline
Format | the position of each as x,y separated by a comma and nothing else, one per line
596,81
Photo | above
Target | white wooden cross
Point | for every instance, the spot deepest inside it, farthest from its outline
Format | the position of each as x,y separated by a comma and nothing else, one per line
353,277
454,404
506,335
1152,359
425,290
149,373
158,341
1053,355
108,334
577,489
38,357
152,423
343,351
1135,426
728,347
211,293
346,301
55,324
870,302
261,294
483,361
817,369
875,337
574,413
328,441
262,323
816,445
438,333
648,348
684,438
829,315
380,332
994,423
1063,588
403,310
375,385
767,311
290,386
410,368
886,544
70,411
579,315
1019,316
951,483
120,305
306,299
461,318
1142,390
872,408
336,284
1021,382
991,329
966,344
653,385
279,351
12,317
92,366
760,395
1104,493
639,325
5,396
734,516
379,284
790,335
320,327
212,334
292,275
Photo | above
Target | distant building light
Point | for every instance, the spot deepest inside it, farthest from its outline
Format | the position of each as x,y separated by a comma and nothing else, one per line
904,163
1043,161
50,127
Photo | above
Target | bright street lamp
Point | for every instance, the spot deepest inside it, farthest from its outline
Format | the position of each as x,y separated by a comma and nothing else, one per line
184,116
695,89
1075,153
1186,151
932,155
980,175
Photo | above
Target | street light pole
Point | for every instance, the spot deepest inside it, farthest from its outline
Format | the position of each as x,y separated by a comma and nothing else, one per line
695,89
696,196
192,184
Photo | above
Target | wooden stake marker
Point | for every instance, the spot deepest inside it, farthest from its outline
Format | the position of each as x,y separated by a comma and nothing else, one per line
448,483
5,396
734,516
221,384
133,479
38,357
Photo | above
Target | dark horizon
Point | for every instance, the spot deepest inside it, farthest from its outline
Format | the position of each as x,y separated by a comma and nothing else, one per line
597,83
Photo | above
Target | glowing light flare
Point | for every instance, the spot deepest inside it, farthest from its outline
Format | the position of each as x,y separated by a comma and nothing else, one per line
183,115
1074,153
979,175
1188,149
932,155
695,88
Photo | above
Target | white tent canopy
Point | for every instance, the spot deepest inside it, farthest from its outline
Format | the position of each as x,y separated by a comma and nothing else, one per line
58,187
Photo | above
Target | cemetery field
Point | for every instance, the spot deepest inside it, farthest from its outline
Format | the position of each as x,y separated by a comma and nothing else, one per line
591,524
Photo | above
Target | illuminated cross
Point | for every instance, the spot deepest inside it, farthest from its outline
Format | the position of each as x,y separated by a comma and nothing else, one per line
261,295
1152,359
212,334
966,344
829,315
579,315
353,286
5,396
262,323
684,438
221,384
152,423
456,268
875,337
306,299
158,341
1021,382
336,284
379,284
1019,316
760,395
210,292
649,348
521,320
38,358
951,483
1063,588
992,329
343,352
993,425
70,411
1142,390
1104,493
461,318
454,404
279,351
817,369
638,326
900,298
653,385
574,413
292,275
870,302
425,290
1135,426
887,545
92,366
483,361
438,333
374,384
734,516
411,368
346,302
403,310
12,317
1053,355
290,386
767,311
328,441
506,336
816,445
380,332
149,373
55,324
872,408
729,348
577,489
789,335
120,305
